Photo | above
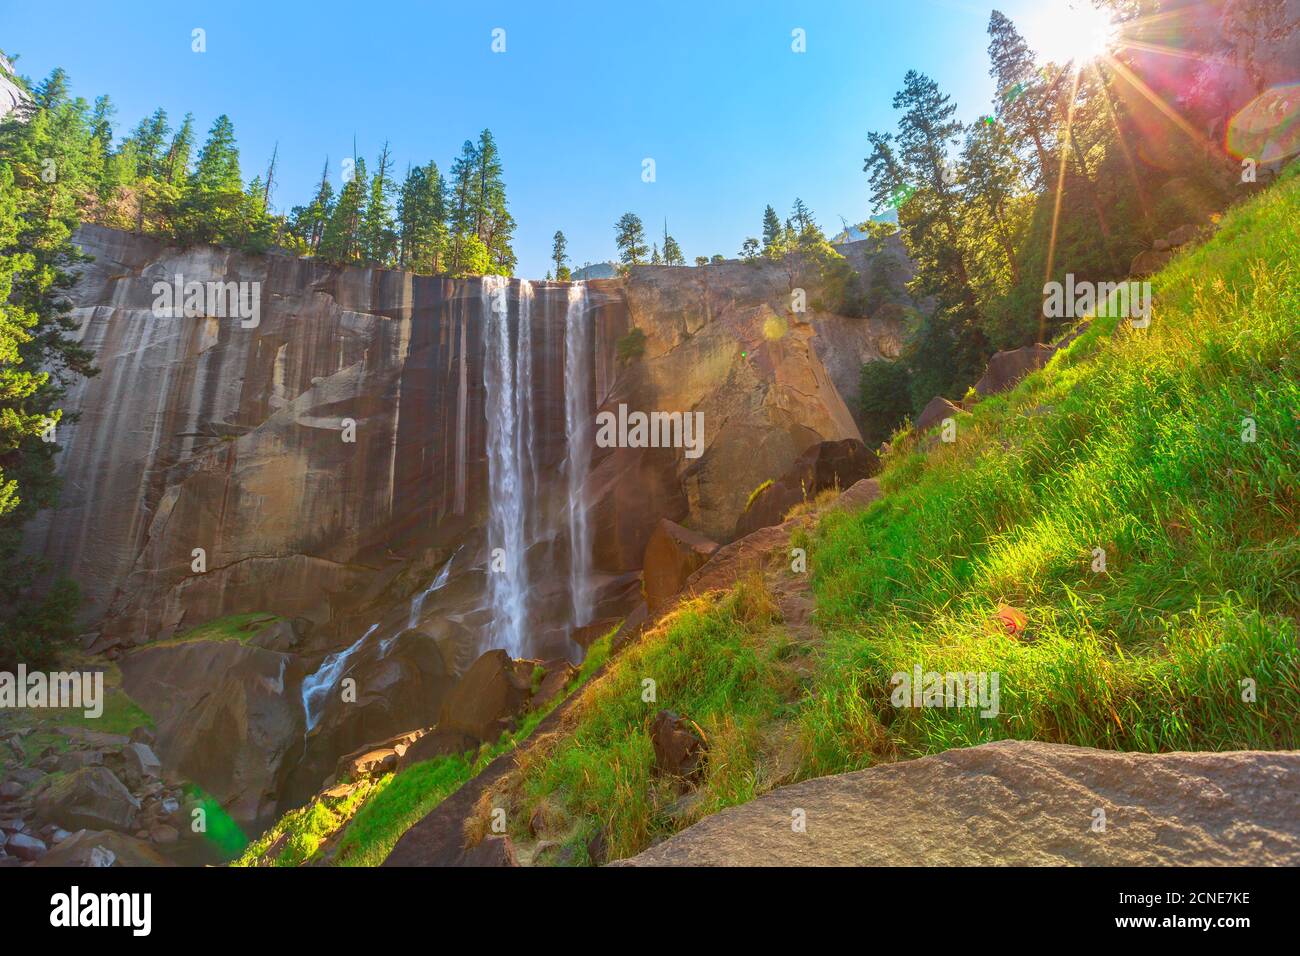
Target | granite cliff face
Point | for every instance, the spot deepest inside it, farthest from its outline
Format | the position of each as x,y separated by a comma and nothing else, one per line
204,433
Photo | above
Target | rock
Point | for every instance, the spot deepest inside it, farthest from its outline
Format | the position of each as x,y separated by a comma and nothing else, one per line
558,674
678,748
828,464
76,759
228,716
25,847
142,761
143,735
1183,235
401,683
589,634
1160,245
95,739
91,797
27,776
438,743
491,851
859,496
1005,369
11,790
1016,803
373,762
92,848
279,635
672,556
1149,262
487,698
934,413
164,834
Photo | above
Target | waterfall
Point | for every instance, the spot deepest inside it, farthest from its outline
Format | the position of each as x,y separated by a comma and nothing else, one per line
507,561
578,425
417,603
316,686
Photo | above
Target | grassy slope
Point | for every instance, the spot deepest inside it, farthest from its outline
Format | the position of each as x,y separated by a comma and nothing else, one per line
1129,441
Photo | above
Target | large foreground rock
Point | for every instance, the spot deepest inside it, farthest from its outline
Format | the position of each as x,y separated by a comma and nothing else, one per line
1017,803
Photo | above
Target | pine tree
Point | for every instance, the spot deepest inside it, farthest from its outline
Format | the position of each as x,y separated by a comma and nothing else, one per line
493,223
1024,102
771,230
629,236
560,256
655,259
461,218
177,165
672,251
38,359
149,136
213,198
378,236
340,241
422,215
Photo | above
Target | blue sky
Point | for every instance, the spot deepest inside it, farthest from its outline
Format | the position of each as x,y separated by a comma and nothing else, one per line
583,93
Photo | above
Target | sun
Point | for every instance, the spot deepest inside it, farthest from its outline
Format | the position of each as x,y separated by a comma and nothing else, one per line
1070,31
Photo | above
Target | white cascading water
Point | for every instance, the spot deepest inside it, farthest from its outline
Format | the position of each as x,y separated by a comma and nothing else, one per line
417,603
578,424
316,687
507,561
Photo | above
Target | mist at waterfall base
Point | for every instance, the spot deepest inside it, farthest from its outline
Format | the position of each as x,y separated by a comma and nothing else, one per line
516,517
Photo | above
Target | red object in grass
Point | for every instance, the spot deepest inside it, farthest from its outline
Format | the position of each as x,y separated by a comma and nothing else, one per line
1012,621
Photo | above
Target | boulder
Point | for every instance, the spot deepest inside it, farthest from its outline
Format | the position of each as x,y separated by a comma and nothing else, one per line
141,761
1005,369
91,797
589,634
1149,262
558,674
492,850
485,701
228,716
25,847
1183,235
437,743
828,464
678,748
1016,803
672,555
76,759
935,412
93,848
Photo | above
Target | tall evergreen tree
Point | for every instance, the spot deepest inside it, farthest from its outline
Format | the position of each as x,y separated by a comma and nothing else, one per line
771,229
341,239
378,236
38,359
1024,102
461,215
213,199
629,236
672,251
560,256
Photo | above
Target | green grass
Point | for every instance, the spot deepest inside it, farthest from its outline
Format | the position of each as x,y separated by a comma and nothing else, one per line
379,811
234,627
1129,441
